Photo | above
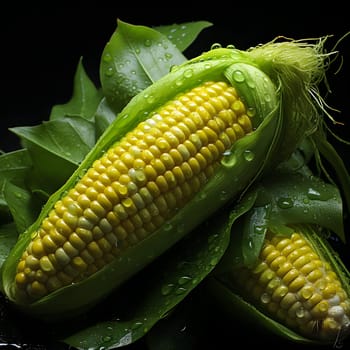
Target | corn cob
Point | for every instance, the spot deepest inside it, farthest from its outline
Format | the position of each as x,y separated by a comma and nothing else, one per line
133,188
295,285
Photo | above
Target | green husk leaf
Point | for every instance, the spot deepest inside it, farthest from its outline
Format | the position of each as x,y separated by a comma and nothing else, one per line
183,268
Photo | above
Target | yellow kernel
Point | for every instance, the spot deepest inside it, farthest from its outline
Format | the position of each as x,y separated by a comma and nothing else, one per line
97,209
167,160
37,289
62,227
186,170
90,215
21,265
21,278
297,283
87,257
275,264
62,257
71,271
329,291
288,300
83,201
129,206
314,275
266,276
79,263
95,250
56,237
162,183
161,204
38,248
320,309
104,201
290,276
32,262
313,300
70,250
284,268
279,293
91,193
245,122
120,232
53,283
46,264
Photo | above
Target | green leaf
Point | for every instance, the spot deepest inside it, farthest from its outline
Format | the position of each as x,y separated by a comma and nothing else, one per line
103,117
8,238
22,205
168,281
69,138
85,98
135,57
183,34
56,148
14,167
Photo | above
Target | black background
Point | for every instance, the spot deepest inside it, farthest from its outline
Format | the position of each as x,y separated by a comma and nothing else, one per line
41,44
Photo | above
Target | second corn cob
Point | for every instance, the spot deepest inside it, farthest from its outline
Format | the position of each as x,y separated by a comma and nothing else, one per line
294,284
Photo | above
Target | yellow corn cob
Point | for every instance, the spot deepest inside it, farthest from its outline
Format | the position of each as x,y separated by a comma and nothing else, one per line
133,188
295,286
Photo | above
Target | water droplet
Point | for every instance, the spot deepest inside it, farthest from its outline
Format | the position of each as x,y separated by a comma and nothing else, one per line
167,289
229,161
168,226
150,99
251,112
215,46
188,73
285,202
313,194
168,56
248,155
300,312
109,71
238,76
148,43
180,290
184,279
223,195
230,46
265,298
107,57
179,82
136,325
267,97
107,338
259,229
214,261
